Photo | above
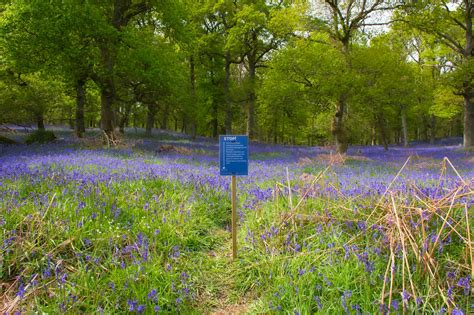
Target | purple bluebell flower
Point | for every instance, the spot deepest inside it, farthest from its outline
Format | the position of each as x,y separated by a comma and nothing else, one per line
318,302
132,304
152,294
457,311
344,298
141,309
451,275
21,290
406,296
356,307
63,278
465,283
395,304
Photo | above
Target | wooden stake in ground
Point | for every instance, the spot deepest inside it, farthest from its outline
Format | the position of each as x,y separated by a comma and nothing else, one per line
234,218
234,161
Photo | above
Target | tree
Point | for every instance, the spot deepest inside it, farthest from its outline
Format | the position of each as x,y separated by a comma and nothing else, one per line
451,24
256,34
31,97
342,20
35,40
150,72
213,19
80,41
386,86
303,80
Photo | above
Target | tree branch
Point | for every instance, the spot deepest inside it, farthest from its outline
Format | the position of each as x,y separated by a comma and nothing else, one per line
306,82
136,9
337,12
449,41
452,18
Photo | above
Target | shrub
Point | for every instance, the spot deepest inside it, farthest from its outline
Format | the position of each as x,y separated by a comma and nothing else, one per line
5,140
40,136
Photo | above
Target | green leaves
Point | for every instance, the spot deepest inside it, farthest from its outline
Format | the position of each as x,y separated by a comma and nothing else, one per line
217,62
302,81
446,103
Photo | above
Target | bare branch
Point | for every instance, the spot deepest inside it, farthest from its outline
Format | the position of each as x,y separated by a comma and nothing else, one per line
135,10
306,82
377,24
452,18
449,41
363,13
337,12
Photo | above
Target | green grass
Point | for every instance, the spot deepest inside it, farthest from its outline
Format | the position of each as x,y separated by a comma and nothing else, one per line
137,245
80,239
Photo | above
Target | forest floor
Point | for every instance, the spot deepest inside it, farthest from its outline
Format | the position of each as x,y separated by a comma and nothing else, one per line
144,228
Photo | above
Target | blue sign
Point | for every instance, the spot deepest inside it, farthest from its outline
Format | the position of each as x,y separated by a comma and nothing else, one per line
233,155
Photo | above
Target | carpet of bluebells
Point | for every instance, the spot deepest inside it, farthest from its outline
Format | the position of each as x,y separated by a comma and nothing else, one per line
132,229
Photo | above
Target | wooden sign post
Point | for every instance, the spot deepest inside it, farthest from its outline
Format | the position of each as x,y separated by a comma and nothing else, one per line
234,217
233,161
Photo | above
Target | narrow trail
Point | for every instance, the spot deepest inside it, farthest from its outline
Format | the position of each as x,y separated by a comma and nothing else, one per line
222,296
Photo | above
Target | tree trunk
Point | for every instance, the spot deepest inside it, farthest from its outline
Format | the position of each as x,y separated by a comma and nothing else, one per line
40,121
468,92
150,119
107,94
80,102
184,126
275,130
215,122
107,114
192,79
251,96
433,129
338,130
228,103
404,126
124,118
184,121
164,118
383,133
468,120
373,136
426,128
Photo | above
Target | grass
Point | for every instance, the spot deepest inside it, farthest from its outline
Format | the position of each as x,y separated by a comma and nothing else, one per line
325,259
160,245
119,243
